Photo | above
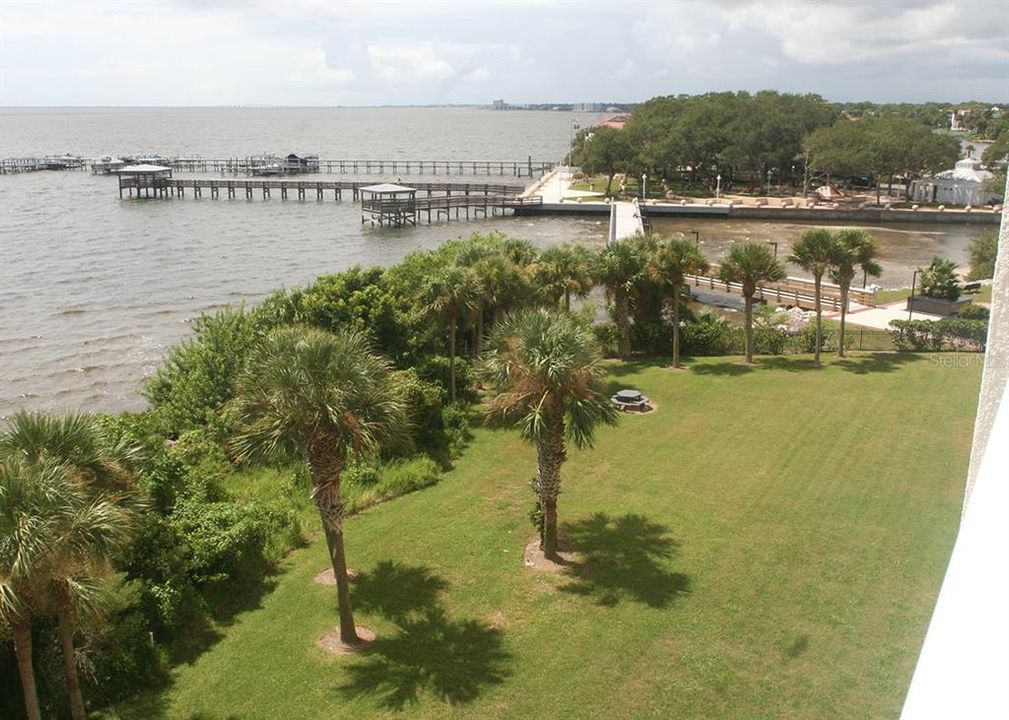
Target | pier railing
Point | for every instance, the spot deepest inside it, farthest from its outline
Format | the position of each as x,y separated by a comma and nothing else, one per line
791,291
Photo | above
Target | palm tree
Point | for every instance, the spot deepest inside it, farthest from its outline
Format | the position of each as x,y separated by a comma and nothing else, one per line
816,252
451,295
561,271
668,264
546,372
57,536
324,397
31,503
499,286
750,263
80,556
856,249
619,267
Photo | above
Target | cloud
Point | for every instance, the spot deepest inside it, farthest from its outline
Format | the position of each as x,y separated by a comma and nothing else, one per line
362,52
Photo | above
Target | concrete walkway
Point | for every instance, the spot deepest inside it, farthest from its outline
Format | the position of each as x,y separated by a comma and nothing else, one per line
880,317
625,221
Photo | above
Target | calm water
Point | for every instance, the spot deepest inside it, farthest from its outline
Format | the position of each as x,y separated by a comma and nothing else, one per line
94,290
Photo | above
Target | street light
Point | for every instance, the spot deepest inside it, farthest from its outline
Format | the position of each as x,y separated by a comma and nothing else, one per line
769,171
771,242
644,186
718,187
910,300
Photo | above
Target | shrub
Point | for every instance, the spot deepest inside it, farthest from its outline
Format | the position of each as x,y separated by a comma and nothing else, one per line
936,335
403,476
711,334
652,337
939,280
197,376
983,250
608,337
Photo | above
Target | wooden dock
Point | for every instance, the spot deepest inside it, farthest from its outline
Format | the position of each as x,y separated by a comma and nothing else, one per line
439,200
11,166
247,166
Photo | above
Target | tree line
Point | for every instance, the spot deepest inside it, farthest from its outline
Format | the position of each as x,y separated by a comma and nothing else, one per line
739,140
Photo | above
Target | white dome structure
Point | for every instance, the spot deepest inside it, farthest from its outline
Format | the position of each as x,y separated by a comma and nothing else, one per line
963,185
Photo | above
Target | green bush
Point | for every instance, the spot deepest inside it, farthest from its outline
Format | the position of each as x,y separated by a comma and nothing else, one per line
403,476
608,337
196,378
653,337
936,335
711,334
983,250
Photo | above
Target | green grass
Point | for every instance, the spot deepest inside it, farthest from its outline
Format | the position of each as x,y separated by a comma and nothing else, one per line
768,544
884,297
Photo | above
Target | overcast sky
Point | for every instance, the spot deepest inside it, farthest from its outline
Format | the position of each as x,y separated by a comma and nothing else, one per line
295,52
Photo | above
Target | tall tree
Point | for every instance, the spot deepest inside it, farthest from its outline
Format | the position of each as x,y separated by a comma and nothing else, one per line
57,536
605,151
669,263
451,294
619,266
816,252
856,249
323,397
749,264
548,380
561,271
81,558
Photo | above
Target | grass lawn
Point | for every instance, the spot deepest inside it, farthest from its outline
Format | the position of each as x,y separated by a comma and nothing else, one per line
884,297
767,544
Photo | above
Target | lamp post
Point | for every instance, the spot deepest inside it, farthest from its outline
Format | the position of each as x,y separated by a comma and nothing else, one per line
718,187
644,186
772,242
697,238
910,300
769,171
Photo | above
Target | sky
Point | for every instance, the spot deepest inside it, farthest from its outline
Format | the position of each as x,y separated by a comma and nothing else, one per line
297,52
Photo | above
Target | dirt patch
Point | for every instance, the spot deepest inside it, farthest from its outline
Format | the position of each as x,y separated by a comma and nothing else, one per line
331,644
328,577
535,560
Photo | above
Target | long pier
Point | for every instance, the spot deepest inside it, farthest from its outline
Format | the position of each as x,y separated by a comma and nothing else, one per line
238,166
257,165
12,166
441,200
303,189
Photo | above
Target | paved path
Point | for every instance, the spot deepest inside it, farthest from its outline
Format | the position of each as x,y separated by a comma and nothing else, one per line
625,221
880,317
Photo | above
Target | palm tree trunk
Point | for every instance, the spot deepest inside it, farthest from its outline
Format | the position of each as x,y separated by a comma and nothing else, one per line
65,612
550,456
23,651
819,328
451,359
326,467
567,300
749,328
479,333
676,325
844,314
621,309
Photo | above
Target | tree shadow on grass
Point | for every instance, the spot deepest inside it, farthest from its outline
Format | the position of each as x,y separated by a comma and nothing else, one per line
453,660
621,558
730,369
877,362
395,590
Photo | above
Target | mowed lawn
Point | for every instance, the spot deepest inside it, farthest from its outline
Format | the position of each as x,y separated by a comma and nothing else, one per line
767,544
